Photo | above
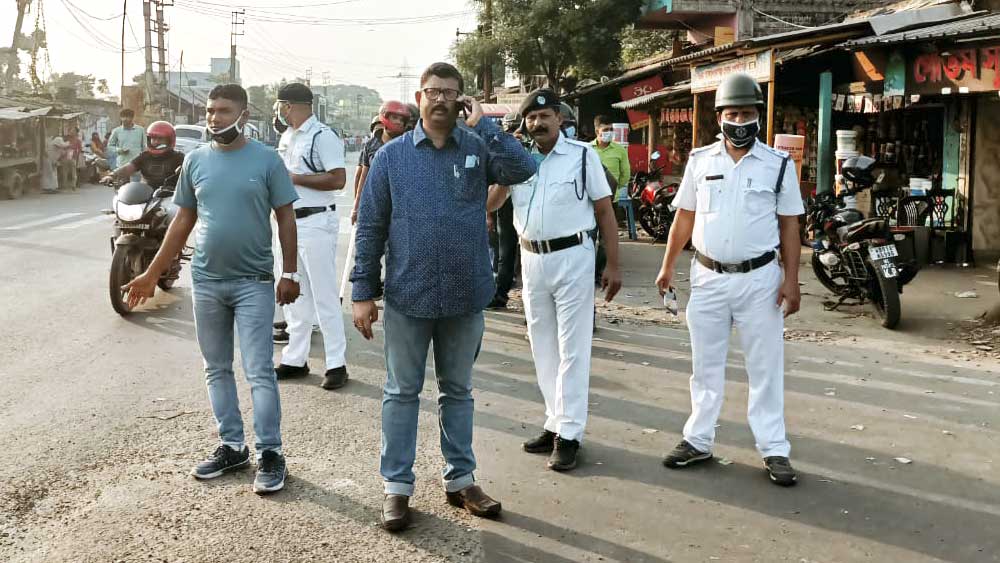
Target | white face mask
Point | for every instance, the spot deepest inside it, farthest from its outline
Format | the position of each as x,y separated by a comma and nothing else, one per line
607,136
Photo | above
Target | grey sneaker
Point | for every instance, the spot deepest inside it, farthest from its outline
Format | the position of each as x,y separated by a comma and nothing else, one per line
271,473
780,471
684,455
223,459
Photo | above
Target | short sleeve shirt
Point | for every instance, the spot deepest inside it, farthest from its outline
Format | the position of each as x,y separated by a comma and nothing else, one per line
234,193
369,150
556,202
736,204
313,148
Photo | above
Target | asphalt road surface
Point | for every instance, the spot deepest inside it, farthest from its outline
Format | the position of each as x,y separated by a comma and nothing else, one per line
102,417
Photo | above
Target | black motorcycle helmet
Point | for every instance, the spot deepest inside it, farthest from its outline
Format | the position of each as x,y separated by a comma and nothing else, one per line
859,171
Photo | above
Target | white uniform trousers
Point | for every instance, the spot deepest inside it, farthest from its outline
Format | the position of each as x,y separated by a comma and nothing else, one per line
748,302
559,305
319,296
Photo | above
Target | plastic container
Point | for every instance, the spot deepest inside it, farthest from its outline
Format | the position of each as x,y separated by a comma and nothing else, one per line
847,140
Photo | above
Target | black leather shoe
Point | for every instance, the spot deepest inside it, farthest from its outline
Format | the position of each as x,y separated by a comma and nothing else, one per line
285,371
498,304
335,378
780,471
542,444
395,512
563,457
281,337
473,499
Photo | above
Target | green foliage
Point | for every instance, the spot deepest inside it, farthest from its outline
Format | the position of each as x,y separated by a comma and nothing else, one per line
556,38
82,85
640,44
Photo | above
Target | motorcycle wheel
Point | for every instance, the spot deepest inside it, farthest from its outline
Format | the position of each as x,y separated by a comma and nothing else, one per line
121,274
648,222
821,273
885,297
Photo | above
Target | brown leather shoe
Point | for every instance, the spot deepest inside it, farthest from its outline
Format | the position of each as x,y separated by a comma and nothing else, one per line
473,499
395,513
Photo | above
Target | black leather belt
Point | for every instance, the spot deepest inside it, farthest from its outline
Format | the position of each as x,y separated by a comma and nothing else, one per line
304,212
553,245
738,267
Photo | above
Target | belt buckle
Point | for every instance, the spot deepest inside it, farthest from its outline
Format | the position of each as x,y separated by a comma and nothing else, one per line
732,268
547,247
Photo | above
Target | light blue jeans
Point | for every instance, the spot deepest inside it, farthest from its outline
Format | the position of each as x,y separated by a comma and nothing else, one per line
456,342
247,304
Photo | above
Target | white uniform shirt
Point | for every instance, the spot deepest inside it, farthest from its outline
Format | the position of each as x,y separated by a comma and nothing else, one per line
554,203
736,208
325,151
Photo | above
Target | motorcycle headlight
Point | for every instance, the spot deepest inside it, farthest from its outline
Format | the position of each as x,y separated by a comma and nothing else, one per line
132,212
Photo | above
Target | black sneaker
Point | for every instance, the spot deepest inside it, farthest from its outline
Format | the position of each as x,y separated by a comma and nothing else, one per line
497,304
542,444
285,371
280,325
335,378
780,471
684,455
271,473
281,336
223,459
563,457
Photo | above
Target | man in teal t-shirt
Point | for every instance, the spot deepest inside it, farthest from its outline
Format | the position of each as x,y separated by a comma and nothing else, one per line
229,188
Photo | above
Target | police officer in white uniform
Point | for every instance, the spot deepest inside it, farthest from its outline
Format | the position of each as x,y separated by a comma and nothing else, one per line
553,214
314,155
740,199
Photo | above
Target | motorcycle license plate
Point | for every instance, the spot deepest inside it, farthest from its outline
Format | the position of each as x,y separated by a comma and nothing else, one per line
133,226
883,252
889,270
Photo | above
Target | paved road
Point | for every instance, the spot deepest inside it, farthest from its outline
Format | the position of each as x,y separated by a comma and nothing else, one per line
93,472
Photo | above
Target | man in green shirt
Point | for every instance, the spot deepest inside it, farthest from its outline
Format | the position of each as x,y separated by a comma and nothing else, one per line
614,157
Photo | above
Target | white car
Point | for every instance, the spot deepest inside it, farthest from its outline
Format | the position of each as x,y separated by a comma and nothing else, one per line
190,137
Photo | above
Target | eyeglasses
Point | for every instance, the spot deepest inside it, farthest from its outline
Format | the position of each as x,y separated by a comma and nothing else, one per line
435,93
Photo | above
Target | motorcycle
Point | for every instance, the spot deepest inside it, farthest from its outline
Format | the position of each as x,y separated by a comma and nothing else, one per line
655,212
856,258
142,216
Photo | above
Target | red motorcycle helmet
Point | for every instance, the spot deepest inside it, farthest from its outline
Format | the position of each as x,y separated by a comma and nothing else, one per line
392,107
162,130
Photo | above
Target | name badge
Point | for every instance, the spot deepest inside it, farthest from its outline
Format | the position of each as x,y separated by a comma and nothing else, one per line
471,161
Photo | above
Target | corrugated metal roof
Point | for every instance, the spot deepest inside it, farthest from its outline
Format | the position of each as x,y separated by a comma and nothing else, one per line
967,26
668,92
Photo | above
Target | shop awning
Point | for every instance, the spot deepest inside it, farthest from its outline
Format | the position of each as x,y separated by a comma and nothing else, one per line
966,26
13,114
675,91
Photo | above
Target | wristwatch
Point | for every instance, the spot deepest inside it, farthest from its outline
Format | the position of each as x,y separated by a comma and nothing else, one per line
294,276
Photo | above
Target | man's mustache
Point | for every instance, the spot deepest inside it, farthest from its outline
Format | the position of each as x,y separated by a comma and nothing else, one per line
539,130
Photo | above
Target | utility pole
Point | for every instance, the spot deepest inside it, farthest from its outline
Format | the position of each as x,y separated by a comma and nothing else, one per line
147,18
161,45
488,63
744,20
237,29
309,75
121,89
326,83
12,61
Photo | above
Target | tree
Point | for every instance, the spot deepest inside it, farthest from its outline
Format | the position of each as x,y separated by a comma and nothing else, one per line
556,37
640,44
471,56
102,87
81,85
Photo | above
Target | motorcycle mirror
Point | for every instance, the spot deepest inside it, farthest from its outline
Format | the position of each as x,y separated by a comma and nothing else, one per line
655,155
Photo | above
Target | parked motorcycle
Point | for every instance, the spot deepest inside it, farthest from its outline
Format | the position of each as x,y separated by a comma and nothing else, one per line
854,257
142,216
655,210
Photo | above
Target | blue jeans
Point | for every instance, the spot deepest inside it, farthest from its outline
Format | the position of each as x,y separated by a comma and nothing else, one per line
456,343
248,305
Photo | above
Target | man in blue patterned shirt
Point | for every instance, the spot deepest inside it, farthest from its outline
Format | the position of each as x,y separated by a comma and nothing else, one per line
425,197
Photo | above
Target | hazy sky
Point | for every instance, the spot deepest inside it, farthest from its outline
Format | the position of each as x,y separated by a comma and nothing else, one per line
355,41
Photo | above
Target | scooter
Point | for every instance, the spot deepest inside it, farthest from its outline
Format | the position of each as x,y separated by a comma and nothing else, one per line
142,216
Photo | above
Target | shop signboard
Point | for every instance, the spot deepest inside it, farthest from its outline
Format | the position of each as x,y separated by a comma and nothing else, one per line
705,78
956,70
639,119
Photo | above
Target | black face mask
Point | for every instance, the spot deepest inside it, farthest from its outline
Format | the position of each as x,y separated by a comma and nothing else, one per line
741,134
227,135
279,127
